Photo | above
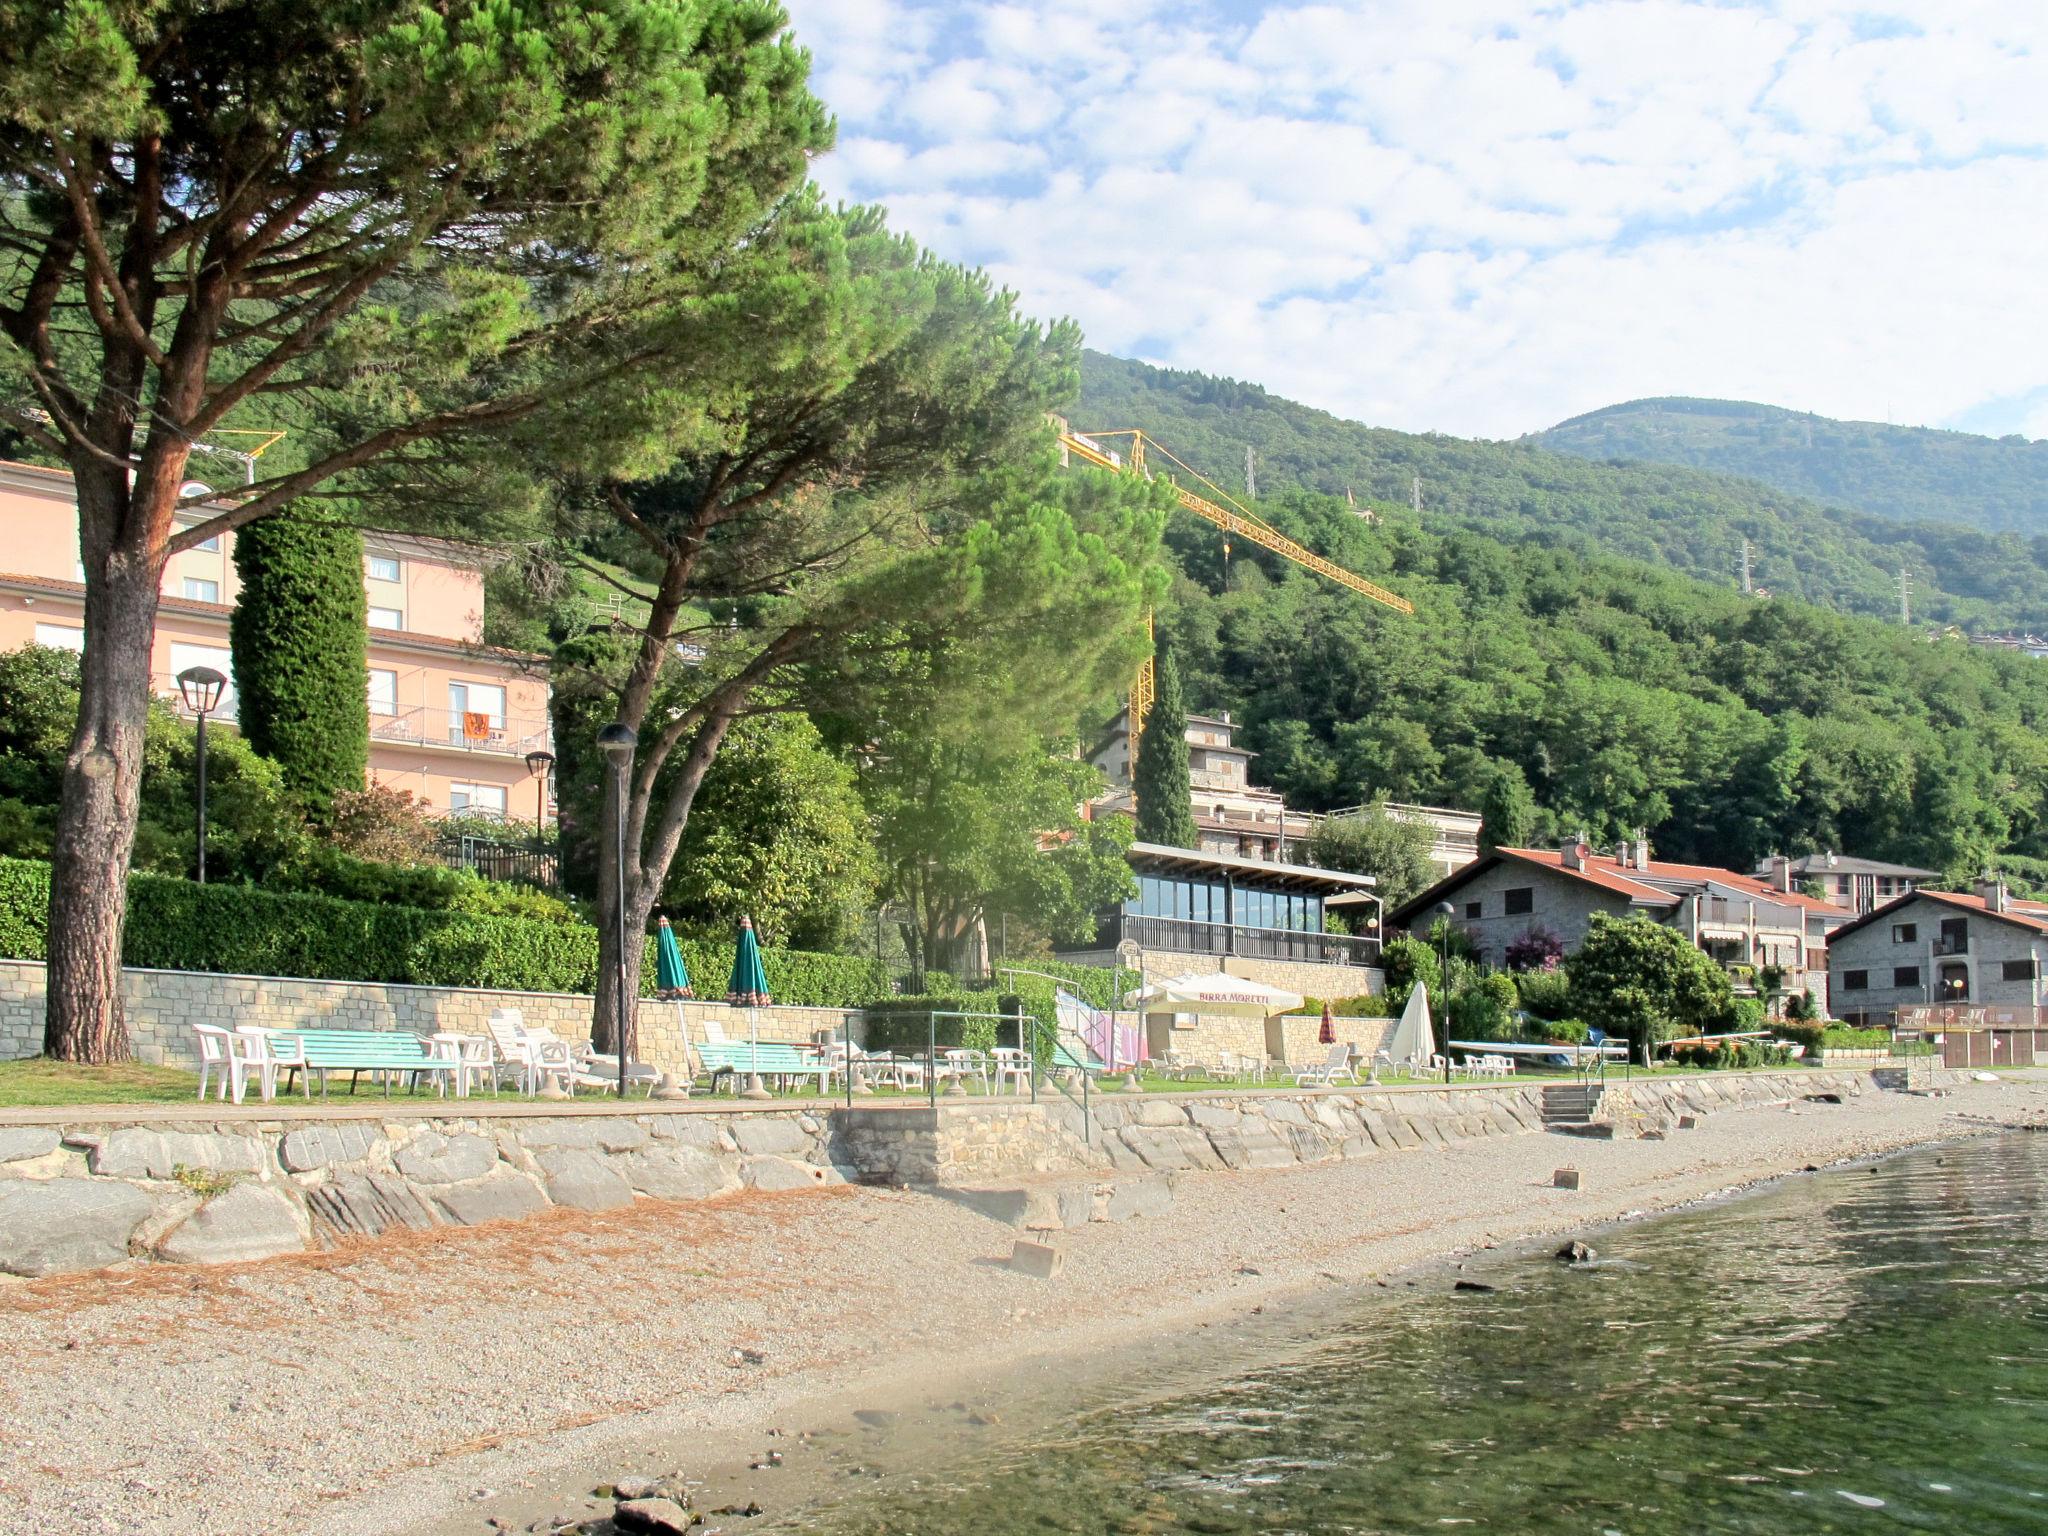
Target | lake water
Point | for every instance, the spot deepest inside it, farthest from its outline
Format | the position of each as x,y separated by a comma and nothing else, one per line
1859,1351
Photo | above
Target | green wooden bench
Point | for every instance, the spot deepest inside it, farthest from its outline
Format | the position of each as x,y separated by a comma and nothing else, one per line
769,1059
357,1051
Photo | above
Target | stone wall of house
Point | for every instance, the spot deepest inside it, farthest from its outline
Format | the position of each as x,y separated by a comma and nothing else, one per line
1874,950
252,1183
162,1007
1561,903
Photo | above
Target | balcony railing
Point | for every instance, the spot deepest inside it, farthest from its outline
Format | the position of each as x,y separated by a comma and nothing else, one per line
1952,944
499,735
1187,937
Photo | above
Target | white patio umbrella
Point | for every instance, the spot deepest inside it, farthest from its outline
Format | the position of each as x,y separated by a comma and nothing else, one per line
1214,994
1413,1039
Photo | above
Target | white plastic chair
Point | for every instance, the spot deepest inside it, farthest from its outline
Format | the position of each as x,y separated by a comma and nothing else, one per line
283,1050
963,1064
237,1056
213,1056
1013,1065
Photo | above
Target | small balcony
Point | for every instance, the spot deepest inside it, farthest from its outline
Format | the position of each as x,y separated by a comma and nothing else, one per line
1187,937
1952,944
461,731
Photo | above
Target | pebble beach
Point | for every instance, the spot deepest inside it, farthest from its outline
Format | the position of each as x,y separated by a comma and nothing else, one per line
488,1378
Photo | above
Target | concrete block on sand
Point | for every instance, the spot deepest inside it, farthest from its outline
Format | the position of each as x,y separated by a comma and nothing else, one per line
1041,1261
1688,1122
1565,1178
51,1225
246,1222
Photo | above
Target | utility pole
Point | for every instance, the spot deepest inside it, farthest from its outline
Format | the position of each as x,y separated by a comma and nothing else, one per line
1905,596
1251,476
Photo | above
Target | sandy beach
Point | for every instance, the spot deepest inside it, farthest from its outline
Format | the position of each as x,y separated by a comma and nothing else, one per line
441,1381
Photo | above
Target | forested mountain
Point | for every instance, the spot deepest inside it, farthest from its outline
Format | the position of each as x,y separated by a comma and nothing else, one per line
1914,474
1563,692
1691,520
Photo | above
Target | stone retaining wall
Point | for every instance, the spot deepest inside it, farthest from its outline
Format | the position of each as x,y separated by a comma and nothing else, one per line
162,1007
85,1193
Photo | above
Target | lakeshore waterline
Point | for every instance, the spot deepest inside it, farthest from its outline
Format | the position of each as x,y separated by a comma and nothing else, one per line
1862,1350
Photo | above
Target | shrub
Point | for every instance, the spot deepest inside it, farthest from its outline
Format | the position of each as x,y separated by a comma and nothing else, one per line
1571,1031
1749,1014
1482,1010
1546,994
1840,1037
1536,949
1802,1007
1366,1005
388,825
1810,1036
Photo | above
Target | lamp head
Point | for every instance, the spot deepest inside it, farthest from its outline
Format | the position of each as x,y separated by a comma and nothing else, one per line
538,763
617,741
1444,909
201,688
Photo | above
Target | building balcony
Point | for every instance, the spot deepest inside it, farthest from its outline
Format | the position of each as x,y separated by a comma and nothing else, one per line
1187,937
1952,944
459,731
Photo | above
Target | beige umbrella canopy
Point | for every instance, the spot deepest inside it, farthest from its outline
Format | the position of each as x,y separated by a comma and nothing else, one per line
1215,995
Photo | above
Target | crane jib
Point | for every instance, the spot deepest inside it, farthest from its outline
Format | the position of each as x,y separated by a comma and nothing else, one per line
1256,529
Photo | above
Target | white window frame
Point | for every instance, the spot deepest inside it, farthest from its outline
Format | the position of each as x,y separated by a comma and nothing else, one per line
470,794
460,702
189,582
386,703
395,615
371,571
62,637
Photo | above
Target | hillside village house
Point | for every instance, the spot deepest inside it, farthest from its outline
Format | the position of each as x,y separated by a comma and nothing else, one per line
1940,947
451,719
1861,885
1740,921
1235,817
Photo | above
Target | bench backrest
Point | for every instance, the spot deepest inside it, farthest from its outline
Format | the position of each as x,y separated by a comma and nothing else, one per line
768,1056
359,1047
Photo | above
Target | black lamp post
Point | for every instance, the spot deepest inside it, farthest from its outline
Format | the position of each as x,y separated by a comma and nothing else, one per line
202,688
617,742
538,763
1443,951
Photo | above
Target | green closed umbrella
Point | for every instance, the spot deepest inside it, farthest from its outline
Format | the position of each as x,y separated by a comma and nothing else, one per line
671,976
748,989
749,985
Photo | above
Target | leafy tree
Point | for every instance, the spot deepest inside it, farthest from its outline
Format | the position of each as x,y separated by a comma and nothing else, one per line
1159,777
779,834
1484,1008
1535,949
867,474
400,229
1507,812
301,667
1394,852
383,823
1643,982
253,828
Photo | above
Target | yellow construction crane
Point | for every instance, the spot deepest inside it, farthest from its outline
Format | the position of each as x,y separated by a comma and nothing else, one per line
1235,519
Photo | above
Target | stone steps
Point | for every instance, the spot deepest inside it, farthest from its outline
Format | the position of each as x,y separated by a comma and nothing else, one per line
1571,1107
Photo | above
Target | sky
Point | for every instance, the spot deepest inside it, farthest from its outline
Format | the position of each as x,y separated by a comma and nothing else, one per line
1482,218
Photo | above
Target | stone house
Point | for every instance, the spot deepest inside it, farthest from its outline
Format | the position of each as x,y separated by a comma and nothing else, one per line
1939,947
1742,922
1861,885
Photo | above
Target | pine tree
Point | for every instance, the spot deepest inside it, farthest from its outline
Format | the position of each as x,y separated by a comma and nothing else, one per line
299,644
1166,808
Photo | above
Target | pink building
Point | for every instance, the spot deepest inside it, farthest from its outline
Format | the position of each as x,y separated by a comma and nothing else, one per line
451,719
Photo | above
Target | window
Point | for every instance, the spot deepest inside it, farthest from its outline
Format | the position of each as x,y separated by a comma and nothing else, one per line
1855,981
61,637
383,691
386,618
199,591
1906,976
478,799
1475,909
380,568
2019,970
1905,933
1521,900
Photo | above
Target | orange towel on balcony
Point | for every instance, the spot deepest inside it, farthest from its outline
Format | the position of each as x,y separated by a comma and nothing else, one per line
476,726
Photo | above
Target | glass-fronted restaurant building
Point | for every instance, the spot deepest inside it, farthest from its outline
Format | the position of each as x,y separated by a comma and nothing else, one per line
1218,904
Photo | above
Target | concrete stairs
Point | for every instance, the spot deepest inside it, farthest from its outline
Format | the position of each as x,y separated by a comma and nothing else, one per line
1570,1108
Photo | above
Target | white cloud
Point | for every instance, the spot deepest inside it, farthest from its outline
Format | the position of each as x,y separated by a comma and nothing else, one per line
1478,217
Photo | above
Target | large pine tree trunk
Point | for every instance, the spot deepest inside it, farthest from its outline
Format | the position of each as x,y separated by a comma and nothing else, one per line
96,824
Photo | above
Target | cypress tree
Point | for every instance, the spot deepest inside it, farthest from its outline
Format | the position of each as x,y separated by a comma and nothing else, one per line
1166,809
300,647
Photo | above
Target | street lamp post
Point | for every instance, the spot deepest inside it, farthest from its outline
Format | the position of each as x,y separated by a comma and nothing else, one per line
201,688
1443,971
538,764
617,741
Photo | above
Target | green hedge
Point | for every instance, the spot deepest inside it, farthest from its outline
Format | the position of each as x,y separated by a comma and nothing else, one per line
177,925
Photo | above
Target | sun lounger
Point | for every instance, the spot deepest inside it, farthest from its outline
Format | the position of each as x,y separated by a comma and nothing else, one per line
1337,1065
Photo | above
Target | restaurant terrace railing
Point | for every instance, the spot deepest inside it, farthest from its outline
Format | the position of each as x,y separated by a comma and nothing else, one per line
1189,937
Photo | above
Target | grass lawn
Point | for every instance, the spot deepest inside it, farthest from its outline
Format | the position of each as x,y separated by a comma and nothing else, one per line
39,1081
